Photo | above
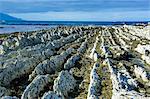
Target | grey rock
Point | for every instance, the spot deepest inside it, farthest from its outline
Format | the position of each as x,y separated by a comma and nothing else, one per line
94,86
21,67
71,61
2,51
36,86
52,65
4,91
52,95
64,83
141,73
9,97
83,47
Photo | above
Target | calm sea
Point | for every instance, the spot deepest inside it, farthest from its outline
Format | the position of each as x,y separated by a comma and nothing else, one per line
21,26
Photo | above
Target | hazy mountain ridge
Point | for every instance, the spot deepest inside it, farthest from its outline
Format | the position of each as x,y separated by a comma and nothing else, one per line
6,17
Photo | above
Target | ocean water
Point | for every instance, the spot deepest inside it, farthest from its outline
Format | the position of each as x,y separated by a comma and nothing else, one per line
21,26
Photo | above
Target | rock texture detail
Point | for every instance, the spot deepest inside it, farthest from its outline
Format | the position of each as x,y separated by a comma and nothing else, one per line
64,83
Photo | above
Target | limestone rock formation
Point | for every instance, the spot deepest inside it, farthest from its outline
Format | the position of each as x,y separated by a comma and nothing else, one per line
9,97
140,72
94,87
52,95
76,62
1,50
145,51
71,62
36,86
52,65
64,83
4,91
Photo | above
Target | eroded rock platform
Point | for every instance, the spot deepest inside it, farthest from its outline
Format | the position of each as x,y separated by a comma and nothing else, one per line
76,62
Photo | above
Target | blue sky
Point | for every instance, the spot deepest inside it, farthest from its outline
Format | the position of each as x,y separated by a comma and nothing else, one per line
78,10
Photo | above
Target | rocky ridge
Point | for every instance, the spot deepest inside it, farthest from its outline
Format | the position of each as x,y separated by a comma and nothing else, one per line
76,62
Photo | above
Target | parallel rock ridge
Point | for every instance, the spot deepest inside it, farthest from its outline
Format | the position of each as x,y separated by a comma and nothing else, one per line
65,62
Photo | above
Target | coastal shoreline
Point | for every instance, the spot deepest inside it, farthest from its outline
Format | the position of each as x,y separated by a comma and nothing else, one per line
76,62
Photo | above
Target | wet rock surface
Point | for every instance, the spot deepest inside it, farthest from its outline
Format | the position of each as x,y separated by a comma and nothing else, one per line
67,62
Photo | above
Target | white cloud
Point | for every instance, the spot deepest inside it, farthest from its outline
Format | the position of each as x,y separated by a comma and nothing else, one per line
86,16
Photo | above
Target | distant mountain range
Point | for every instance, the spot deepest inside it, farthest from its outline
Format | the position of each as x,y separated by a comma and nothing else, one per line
6,17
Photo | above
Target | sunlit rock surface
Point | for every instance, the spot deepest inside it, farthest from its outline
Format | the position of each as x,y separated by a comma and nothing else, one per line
67,62
64,84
